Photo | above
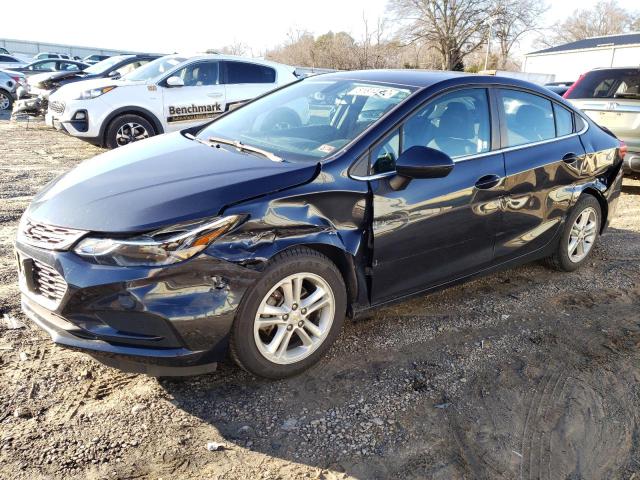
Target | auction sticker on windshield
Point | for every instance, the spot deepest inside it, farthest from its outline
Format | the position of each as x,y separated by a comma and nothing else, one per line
382,92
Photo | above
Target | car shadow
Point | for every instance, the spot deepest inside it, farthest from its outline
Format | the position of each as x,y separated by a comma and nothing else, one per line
471,382
633,189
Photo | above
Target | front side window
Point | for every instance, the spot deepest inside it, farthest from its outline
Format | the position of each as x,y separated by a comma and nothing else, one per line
528,117
46,66
7,59
457,124
130,67
199,74
241,72
384,156
308,120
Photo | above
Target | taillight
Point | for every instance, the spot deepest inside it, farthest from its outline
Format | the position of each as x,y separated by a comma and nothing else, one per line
566,94
622,149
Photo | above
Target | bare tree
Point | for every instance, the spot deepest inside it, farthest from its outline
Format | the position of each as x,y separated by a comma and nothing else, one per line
236,48
455,28
607,17
510,20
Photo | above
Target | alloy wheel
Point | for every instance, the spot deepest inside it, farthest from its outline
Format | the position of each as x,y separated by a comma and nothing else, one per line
130,132
5,101
294,318
582,235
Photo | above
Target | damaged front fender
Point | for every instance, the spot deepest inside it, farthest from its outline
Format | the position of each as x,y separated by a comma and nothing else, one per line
332,222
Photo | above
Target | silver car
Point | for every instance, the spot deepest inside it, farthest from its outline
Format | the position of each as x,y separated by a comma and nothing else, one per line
611,97
9,83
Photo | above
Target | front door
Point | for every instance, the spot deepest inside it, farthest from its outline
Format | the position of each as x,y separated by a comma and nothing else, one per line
201,98
436,230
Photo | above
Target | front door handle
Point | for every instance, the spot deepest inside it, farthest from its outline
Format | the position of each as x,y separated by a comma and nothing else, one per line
214,95
569,157
488,181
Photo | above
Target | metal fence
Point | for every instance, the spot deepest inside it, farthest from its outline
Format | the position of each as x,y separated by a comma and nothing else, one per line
26,48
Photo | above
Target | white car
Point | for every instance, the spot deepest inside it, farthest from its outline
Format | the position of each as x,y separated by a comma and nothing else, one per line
9,61
168,94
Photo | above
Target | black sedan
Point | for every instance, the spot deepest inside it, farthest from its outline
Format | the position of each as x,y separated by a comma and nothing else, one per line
51,65
259,233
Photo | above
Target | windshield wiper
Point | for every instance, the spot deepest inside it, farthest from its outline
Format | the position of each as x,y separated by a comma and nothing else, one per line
247,148
237,144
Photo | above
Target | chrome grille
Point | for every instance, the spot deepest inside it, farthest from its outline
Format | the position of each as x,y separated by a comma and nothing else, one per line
57,107
47,282
47,236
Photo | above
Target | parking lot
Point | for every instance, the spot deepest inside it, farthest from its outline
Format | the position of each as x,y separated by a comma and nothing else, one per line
528,373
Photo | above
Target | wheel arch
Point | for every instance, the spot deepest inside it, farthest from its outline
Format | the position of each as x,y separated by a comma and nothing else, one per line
130,110
345,263
604,205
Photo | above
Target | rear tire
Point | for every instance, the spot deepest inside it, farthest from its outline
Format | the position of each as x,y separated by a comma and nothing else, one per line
277,332
580,234
126,129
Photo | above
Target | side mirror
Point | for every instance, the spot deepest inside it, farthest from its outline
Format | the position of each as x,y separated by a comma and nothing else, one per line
423,162
114,74
175,82
420,162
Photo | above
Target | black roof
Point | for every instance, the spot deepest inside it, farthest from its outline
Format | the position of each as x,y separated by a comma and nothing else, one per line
409,77
427,78
606,41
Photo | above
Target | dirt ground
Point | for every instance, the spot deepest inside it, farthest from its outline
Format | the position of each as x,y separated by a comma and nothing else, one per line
528,373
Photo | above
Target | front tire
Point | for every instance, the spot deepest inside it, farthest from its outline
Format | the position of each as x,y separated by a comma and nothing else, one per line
580,234
291,316
6,101
126,129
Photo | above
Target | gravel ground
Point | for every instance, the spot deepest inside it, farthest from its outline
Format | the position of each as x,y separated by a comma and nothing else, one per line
528,373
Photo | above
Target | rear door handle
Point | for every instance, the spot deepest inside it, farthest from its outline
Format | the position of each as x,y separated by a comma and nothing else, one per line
570,157
214,95
488,181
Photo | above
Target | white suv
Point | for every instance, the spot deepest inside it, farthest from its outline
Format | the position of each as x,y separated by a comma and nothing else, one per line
168,94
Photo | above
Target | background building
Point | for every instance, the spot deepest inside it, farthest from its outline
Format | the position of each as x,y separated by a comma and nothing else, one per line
567,62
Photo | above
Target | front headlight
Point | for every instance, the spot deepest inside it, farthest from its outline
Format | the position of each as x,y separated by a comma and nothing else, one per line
94,92
162,247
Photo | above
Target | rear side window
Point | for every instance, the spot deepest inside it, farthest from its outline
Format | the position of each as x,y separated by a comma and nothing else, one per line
4,58
610,83
564,120
528,117
241,72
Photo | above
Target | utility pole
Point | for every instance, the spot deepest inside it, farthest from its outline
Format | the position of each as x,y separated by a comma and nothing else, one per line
486,58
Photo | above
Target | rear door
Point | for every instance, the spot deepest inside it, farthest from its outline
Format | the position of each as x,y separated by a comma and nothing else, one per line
200,99
245,81
611,97
543,159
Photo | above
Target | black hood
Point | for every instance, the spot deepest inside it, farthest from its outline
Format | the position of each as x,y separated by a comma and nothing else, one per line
58,78
157,182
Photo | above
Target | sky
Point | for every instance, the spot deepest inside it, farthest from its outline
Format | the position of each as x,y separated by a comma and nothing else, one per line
167,26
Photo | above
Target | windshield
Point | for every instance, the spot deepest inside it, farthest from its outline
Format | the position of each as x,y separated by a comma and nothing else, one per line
154,69
310,119
611,83
104,65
